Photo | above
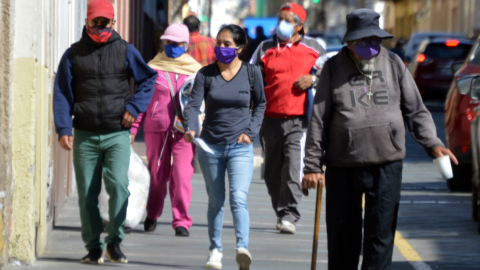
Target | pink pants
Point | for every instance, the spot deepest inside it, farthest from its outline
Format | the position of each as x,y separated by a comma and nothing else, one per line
179,173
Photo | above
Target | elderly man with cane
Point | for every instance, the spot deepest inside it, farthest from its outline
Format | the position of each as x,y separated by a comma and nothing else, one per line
358,131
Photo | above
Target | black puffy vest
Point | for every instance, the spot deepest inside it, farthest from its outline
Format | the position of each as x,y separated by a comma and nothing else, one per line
101,85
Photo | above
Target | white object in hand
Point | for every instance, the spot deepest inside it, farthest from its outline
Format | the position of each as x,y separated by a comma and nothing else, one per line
199,142
444,166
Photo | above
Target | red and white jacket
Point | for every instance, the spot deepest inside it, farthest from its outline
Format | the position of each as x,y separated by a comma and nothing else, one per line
282,65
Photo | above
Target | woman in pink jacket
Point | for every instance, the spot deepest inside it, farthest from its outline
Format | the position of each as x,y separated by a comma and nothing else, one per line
163,142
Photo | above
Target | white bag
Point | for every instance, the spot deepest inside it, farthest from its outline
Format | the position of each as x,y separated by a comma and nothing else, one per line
139,184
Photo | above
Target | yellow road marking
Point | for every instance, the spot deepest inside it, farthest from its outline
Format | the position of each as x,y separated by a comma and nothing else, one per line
405,248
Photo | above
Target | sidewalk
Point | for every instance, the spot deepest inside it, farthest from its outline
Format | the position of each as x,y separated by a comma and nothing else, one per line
162,250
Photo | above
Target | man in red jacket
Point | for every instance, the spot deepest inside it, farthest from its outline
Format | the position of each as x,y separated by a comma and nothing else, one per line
286,62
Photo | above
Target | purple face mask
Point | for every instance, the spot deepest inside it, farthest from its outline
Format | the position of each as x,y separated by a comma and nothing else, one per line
225,55
367,52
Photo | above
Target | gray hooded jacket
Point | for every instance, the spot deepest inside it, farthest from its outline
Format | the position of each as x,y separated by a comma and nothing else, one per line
349,128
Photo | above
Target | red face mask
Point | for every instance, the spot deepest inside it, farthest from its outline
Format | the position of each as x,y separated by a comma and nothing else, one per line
99,34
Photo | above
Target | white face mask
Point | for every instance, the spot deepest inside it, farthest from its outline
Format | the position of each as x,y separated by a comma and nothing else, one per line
284,30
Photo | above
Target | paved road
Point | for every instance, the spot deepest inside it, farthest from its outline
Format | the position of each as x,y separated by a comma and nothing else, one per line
436,223
435,229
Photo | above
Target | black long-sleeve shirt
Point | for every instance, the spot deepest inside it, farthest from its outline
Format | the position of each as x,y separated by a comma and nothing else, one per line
227,106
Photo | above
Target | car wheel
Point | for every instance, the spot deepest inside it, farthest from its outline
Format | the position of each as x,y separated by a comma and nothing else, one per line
478,209
462,177
475,203
476,206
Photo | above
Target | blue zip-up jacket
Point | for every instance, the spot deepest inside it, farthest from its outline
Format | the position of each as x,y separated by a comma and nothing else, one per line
63,98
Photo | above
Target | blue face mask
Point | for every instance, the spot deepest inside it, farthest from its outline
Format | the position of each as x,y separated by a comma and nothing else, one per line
173,50
284,30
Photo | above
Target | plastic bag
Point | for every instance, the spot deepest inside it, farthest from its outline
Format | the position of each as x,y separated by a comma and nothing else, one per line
139,184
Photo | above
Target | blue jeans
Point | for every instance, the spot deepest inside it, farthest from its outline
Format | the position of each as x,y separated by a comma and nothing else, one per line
237,159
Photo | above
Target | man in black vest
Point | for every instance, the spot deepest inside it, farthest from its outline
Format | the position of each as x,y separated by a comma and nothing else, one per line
92,84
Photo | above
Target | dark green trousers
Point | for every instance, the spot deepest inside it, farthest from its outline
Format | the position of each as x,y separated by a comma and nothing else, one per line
94,154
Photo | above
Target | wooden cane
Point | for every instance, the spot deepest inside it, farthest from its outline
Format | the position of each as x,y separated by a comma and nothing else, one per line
316,227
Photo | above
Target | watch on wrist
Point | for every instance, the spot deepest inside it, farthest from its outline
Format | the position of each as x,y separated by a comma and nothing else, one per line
314,81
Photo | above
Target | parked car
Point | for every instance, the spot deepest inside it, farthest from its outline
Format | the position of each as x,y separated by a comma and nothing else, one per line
459,114
329,39
333,50
417,38
432,67
473,84
331,42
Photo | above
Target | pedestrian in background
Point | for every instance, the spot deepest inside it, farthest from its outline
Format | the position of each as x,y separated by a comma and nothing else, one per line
364,99
257,41
234,107
398,49
286,62
92,84
245,56
200,47
163,142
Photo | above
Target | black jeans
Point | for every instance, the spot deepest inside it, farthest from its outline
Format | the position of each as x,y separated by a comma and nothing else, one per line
345,186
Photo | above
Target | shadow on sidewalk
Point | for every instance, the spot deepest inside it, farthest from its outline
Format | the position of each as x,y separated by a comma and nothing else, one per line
130,263
67,228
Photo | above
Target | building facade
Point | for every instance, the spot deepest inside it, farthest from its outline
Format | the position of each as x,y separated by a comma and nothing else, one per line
36,175
404,17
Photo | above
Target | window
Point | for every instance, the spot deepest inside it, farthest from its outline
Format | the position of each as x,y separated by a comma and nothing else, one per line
442,51
475,57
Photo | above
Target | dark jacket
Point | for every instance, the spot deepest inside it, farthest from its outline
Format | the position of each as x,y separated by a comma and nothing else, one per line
349,129
101,87
92,84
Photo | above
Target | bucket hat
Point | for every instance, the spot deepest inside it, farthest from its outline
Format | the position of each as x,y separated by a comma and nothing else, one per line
362,23
177,33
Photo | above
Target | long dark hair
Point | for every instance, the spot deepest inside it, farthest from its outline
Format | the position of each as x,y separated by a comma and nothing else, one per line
238,34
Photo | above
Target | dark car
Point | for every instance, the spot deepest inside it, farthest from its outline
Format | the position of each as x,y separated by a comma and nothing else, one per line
432,67
459,114
411,47
474,84
331,39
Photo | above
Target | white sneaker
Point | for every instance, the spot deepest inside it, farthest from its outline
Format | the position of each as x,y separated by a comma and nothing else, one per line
244,259
287,227
214,260
279,224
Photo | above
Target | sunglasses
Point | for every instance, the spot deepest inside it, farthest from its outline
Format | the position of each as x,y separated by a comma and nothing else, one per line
365,42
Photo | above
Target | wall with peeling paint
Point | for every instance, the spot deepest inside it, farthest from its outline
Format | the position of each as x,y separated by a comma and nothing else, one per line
6,177
33,37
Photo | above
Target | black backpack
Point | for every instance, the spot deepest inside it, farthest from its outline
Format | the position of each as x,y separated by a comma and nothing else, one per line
251,79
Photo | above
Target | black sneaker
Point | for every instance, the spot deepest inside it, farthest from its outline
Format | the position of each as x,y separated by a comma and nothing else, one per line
181,231
94,256
114,254
149,225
